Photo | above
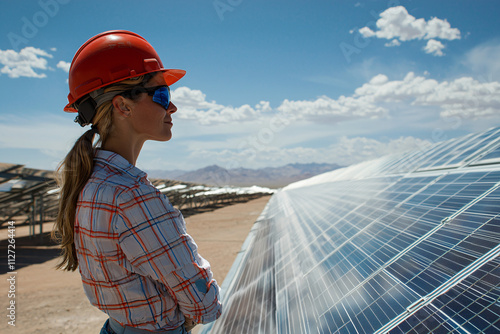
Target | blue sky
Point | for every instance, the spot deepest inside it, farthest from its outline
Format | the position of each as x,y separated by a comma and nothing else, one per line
268,82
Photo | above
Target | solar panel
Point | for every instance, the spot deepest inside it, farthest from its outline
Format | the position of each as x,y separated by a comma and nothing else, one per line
462,150
492,155
390,246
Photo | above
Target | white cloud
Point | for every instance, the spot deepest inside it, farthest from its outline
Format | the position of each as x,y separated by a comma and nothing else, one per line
365,31
331,110
24,63
260,141
345,151
464,97
397,24
380,90
392,43
379,98
63,66
194,106
263,107
434,47
437,28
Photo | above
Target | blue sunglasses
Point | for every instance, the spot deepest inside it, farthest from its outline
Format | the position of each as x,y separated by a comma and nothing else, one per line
160,94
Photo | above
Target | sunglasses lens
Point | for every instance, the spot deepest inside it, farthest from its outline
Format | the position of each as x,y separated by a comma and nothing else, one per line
162,96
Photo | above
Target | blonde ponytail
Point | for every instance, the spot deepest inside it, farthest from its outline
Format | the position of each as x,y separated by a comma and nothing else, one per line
76,169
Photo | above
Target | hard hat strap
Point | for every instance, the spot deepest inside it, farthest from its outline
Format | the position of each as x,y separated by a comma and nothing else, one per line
100,97
86,111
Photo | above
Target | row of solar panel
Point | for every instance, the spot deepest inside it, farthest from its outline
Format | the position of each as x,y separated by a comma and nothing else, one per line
378,258
402,253
474,149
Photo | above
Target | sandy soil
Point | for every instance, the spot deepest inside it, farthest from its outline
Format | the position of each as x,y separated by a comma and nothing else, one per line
51,301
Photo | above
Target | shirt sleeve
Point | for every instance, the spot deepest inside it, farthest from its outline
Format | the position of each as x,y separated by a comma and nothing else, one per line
153,237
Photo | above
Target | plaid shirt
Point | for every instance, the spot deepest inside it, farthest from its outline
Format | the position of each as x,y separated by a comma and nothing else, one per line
137,262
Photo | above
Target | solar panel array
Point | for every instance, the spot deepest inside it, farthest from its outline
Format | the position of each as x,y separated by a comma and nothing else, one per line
31,196
403,244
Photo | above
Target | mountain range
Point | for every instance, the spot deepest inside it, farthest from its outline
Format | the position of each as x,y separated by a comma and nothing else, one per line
272,177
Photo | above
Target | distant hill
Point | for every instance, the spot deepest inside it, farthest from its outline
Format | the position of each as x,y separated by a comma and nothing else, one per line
165,174
273,177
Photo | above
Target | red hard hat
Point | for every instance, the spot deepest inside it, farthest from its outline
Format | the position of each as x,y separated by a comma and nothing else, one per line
110,57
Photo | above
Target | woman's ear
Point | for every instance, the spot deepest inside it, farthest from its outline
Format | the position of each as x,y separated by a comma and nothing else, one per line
122,106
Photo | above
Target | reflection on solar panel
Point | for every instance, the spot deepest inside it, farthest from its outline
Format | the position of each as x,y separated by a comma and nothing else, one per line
403,244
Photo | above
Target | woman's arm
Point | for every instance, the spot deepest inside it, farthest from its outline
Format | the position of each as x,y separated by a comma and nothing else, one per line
152,235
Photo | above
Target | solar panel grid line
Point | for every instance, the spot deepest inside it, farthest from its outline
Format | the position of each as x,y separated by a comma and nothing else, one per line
369,305
359,231
489,156
429,155
375,282
359,321
468,150
248,287
398,256
446,319
493,318
458,302
297,225
290,279
432,326
472,153
319,237
309,229
261,269
243,253
473,202
283,326
241,308
300,312
456,151
481,295
447,148
262,314
438,178
426,300
357,317
310,314
329,255
252,306
483,151
438,240
495,252
408,163
350,323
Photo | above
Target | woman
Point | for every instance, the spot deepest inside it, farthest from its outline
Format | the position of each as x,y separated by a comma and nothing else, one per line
136,260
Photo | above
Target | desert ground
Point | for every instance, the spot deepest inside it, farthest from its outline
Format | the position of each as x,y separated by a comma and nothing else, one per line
52,301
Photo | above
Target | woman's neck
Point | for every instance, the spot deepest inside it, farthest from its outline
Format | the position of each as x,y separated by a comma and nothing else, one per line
125,147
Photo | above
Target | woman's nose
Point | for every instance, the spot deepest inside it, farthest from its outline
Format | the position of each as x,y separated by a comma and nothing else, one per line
171,108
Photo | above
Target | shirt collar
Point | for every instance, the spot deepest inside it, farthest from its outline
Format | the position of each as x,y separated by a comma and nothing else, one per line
119,162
